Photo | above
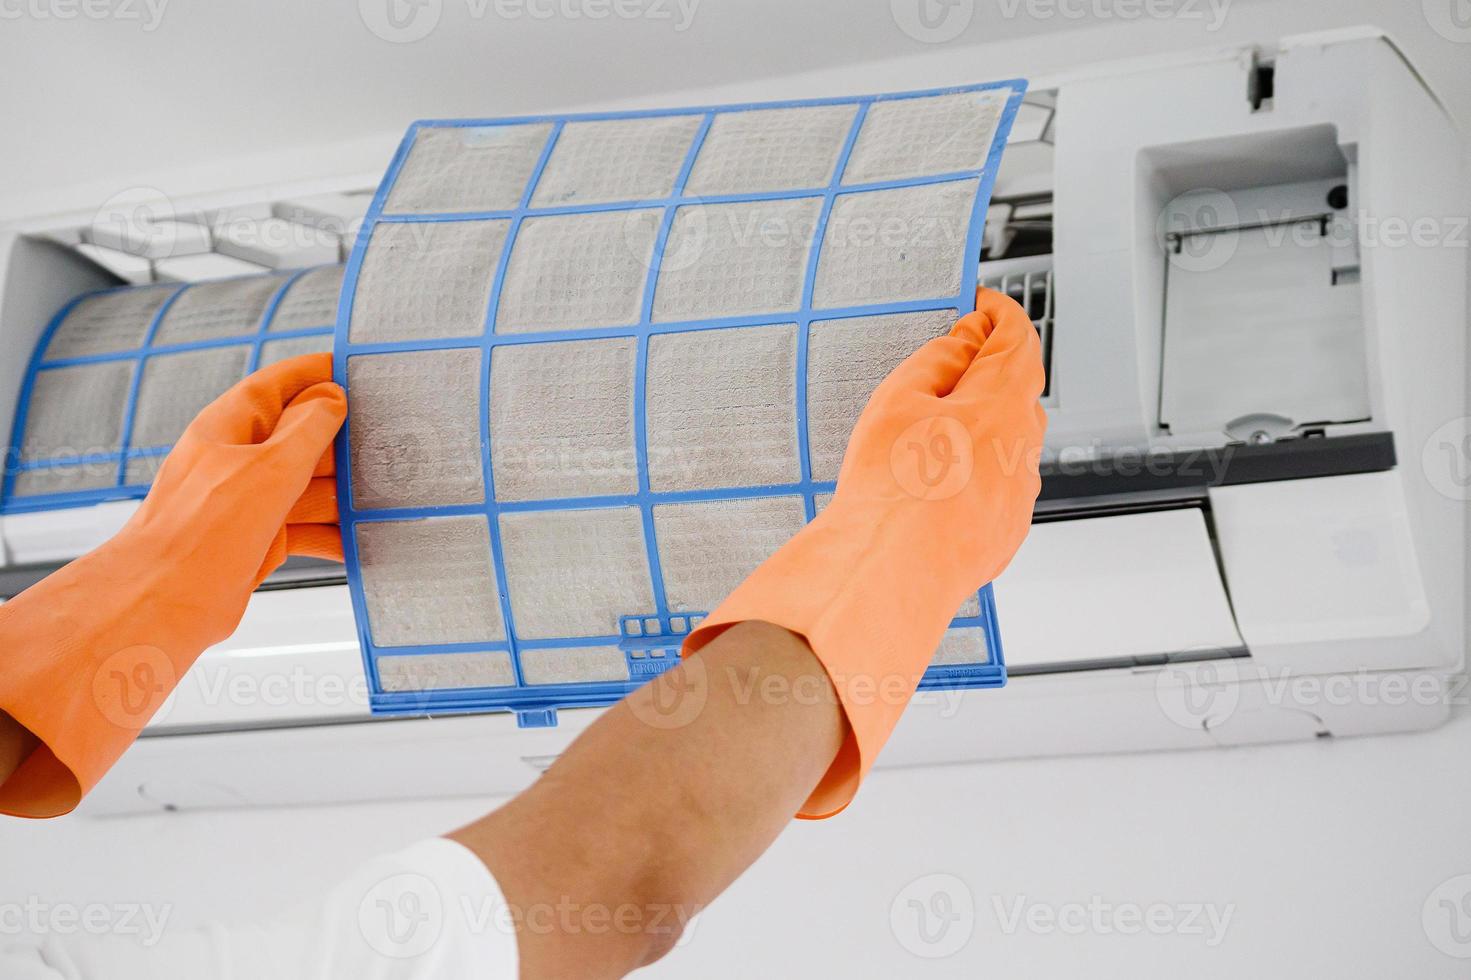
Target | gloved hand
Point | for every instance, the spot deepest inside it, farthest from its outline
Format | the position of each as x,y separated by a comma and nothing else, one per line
88,654
934,496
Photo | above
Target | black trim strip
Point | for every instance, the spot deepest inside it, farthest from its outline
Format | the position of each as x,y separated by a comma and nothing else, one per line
1291,459
295,573
1137,481
1128,663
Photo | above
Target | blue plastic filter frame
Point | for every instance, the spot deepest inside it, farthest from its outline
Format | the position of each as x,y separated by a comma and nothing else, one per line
649,639
121,489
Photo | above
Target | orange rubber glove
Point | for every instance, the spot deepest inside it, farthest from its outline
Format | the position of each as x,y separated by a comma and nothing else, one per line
934,497
88,654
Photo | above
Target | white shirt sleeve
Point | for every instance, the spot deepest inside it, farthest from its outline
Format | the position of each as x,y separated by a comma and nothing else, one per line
431,910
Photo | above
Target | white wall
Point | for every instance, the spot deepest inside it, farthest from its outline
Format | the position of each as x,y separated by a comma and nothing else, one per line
1325,852
220,95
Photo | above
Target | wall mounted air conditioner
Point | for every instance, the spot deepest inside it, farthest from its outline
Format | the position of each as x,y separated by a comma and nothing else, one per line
1243,265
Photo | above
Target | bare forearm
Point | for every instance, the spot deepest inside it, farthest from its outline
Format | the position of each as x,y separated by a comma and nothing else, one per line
657,807
15,744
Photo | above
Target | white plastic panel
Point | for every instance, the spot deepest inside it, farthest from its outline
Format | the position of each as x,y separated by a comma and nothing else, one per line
474,755
340,214
128,267
61,535
294,659
149,238
277,243
208,265
1110,587
1261,327
1324,571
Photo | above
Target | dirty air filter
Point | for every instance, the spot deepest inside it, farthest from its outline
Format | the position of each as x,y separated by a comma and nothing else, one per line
119,373
599,367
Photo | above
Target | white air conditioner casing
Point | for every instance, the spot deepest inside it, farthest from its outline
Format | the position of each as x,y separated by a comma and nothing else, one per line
1247,531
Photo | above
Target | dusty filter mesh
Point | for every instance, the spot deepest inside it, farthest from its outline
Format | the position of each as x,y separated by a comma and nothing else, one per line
600,367
118,374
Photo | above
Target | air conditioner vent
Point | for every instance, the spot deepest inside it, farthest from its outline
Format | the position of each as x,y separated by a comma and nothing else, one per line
1029,282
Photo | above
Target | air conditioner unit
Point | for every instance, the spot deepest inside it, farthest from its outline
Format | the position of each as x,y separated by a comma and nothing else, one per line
1243,266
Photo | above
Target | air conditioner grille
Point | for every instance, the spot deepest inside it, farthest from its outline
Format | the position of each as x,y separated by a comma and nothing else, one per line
1029,282
119,373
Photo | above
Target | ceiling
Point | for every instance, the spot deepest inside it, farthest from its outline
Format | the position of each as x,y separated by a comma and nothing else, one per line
154,90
